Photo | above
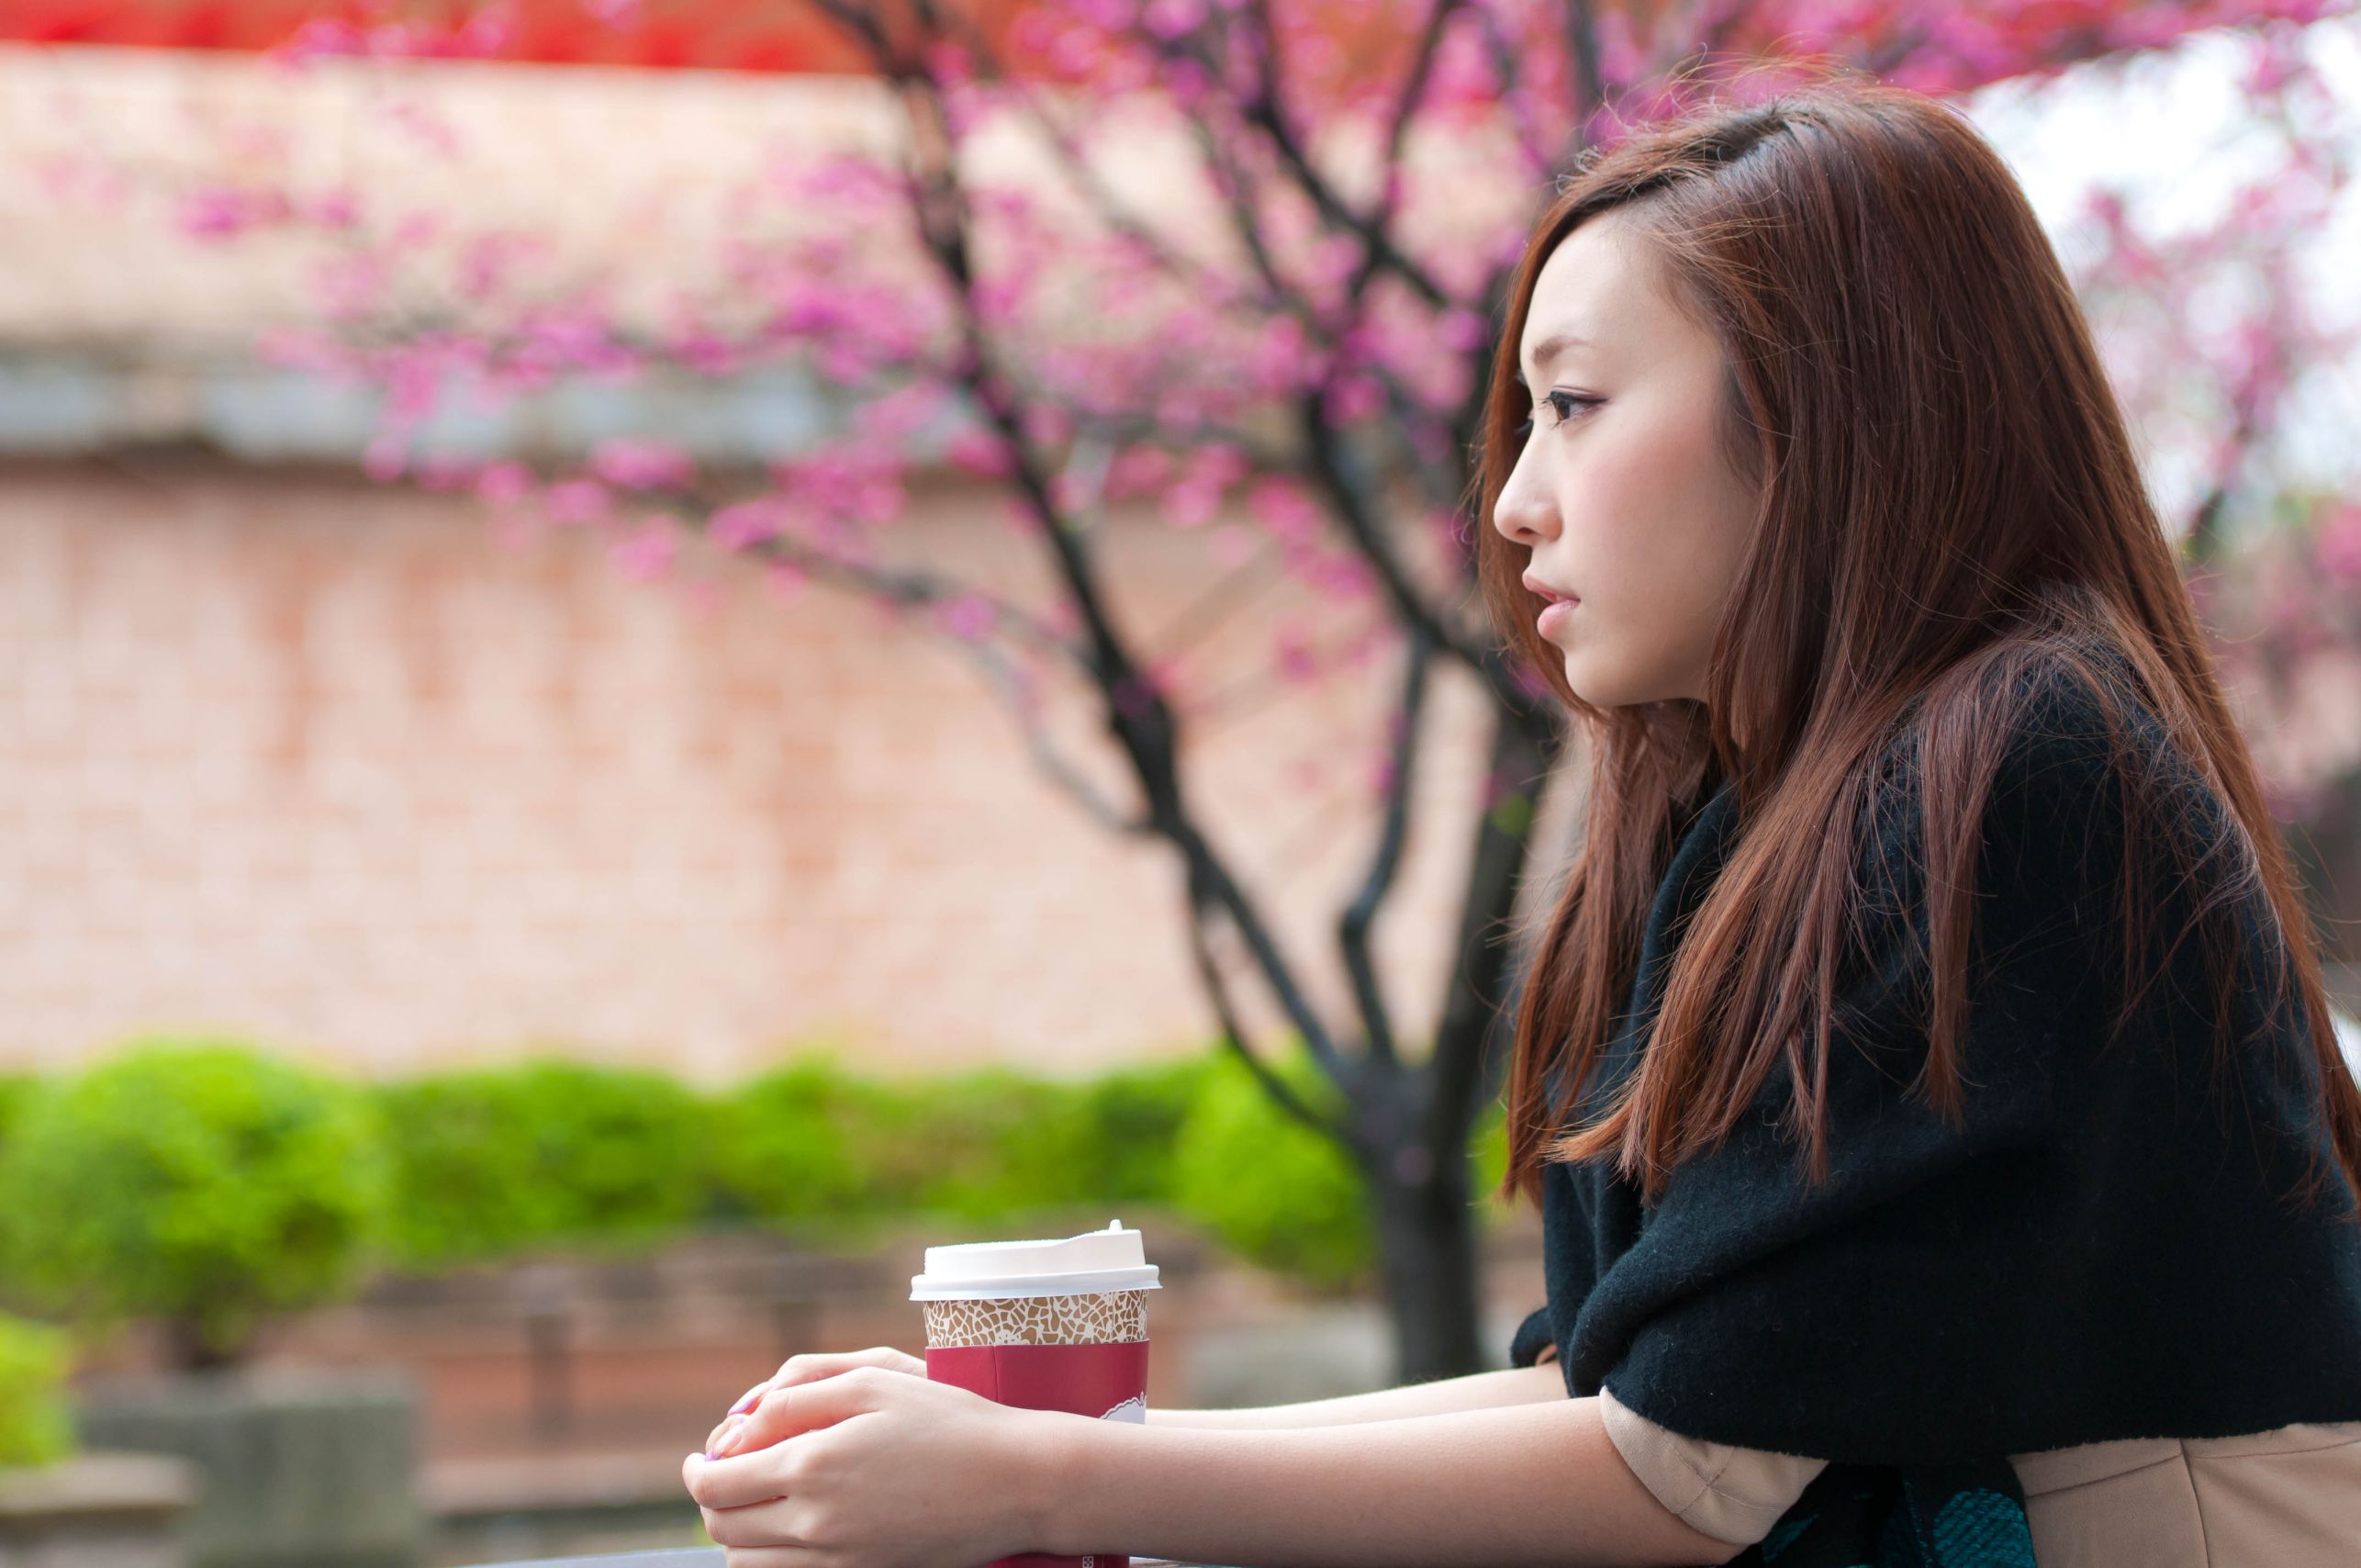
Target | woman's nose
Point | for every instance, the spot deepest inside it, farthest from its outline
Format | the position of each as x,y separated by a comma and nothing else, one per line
1523,516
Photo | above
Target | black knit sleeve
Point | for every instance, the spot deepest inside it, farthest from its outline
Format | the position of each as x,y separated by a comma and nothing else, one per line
1533,1336
2097,1249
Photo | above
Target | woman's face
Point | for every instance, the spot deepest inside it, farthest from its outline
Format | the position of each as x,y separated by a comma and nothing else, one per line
1622,494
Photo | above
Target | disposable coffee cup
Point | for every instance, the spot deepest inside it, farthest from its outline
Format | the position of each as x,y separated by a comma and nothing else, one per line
1058,1325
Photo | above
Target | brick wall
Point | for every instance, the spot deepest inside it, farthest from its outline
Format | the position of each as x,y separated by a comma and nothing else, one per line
333,767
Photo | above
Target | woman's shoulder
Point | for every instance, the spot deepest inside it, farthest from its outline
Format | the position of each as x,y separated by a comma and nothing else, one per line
2065,801
2067,751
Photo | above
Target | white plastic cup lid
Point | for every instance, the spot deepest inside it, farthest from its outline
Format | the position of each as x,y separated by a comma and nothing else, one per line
1109,1259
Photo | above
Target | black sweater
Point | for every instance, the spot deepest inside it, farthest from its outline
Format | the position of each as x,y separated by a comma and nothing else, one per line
2102,1252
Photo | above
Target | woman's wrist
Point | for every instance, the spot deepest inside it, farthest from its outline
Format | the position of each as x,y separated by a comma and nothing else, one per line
1055,1450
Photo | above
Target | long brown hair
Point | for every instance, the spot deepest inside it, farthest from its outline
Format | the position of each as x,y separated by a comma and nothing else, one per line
1950,513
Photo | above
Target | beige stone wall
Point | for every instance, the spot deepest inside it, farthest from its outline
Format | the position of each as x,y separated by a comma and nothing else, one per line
641,179
323,764
331,766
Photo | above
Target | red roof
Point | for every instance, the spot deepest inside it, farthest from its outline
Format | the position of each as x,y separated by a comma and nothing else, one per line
727,35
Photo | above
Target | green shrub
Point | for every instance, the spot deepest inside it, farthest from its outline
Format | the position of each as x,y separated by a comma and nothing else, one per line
196,1182
996,1146
1268,1188
808,1146
1135,1116
34,1361
812,1147
993,1146
1488,1160
16,1089
499,1160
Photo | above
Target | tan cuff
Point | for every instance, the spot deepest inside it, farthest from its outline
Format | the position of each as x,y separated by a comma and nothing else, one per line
1731,1494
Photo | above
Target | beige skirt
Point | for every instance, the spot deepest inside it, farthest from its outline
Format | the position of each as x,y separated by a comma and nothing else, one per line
2286,1499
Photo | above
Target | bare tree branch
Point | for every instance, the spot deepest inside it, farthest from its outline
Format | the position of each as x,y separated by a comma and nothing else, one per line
1582,51
1353,929
1464,1072
1264,110
1234,1035
1140,716
1397,131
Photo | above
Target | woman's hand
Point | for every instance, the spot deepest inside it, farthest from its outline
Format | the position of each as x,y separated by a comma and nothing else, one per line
874,1468
807,1368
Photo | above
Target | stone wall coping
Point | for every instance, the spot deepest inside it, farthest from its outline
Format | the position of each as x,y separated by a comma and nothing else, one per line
99,1483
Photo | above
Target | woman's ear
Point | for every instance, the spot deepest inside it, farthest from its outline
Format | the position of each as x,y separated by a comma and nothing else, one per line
1549,1353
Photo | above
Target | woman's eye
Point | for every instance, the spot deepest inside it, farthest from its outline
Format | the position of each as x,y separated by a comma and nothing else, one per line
1563,404
1562,407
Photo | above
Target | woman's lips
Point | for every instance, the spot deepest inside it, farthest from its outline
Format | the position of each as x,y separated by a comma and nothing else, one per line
1555,615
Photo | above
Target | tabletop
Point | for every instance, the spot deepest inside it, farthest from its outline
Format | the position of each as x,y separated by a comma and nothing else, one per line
710,1557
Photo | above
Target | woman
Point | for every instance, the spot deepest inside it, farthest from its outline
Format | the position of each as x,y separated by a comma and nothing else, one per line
1925,1074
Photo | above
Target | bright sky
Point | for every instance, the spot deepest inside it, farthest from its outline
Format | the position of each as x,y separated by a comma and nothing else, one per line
2175,132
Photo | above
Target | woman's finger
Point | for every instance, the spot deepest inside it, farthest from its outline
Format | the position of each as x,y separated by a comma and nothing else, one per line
774,1524
813,1365
801,1407
731,1487
810,1367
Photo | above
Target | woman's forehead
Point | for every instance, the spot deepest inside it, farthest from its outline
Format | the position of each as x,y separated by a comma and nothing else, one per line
1583,289
1597,295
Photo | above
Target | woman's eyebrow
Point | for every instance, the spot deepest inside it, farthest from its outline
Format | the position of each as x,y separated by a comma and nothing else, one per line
1554,345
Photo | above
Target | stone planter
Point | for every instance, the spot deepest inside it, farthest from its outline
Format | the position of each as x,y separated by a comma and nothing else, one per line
310,1469
97,1510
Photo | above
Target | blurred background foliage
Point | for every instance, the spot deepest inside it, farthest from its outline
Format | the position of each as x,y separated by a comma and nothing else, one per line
195,1182
205,1183
34,1361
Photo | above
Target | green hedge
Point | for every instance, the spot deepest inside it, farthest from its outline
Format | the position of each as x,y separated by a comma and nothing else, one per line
195,1182
499,1160
1270,1187
33,1364
212,1184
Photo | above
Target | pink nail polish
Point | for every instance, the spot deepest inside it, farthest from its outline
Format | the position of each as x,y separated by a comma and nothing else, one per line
747,1401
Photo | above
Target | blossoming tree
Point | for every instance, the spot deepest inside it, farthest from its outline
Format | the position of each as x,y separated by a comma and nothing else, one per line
1291,321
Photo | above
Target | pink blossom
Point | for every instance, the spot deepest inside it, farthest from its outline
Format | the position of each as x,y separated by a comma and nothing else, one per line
787,580
1291,647
1284,510
1352,398
744,524
385,458
439,473
630,464
336,209
1173,19
648,553
1463,331
979,452
2337,547
297,349
504,484
1139,470
223,212
318,37
577,501
1232,546
1192,503
1135,695
970,616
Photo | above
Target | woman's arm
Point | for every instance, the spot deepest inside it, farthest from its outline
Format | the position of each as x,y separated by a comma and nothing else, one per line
1536,1483
1477,1391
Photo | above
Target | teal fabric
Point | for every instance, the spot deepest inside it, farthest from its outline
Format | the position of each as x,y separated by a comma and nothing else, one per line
1853,1515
